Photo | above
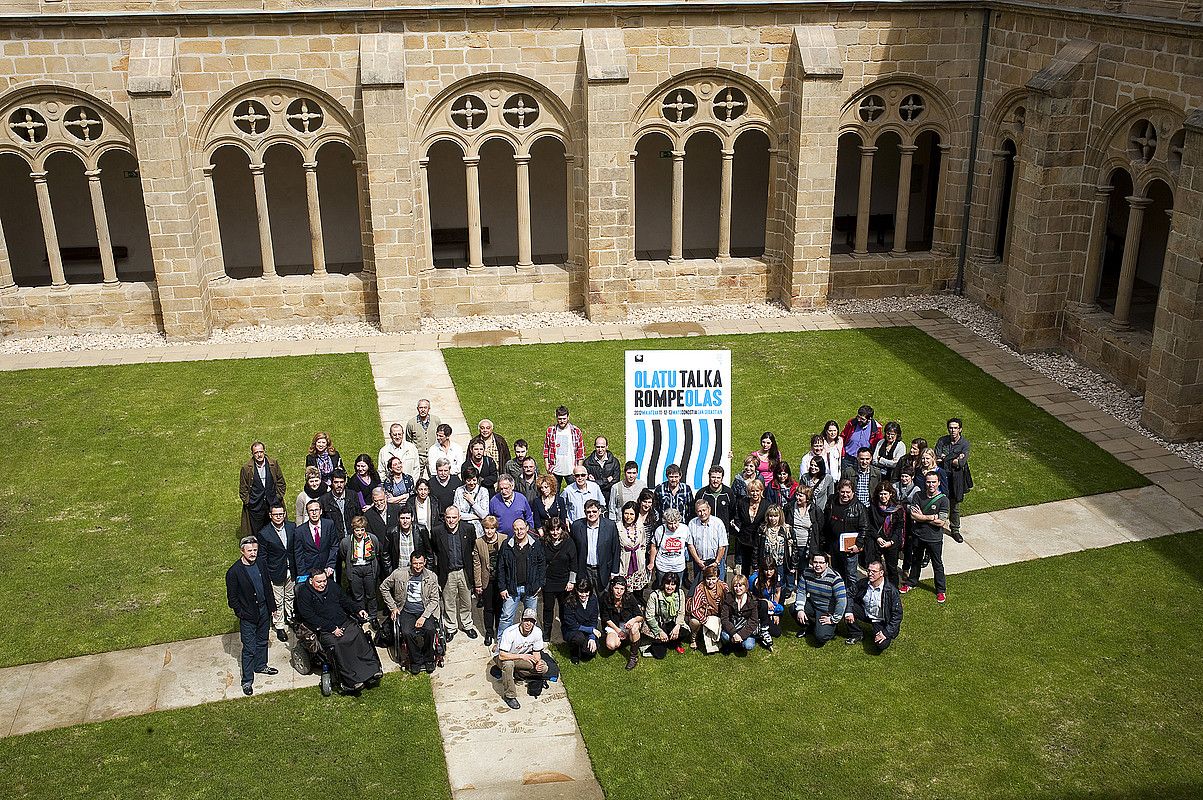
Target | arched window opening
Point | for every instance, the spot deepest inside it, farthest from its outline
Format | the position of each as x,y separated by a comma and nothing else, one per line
448,204
883,203
703,192
847,181
338,187
287,210
925,190
1150,259
750,194
1113,246
549,201
73,221
499,209
126,212
653,197
21,223
237,219
1003,223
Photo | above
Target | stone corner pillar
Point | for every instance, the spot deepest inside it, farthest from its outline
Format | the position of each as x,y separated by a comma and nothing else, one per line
608,174
175,197
397,217
1173,405
804,190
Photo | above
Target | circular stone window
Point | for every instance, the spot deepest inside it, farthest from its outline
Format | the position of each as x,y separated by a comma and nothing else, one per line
468,112
679,105
83,123
871,108
304,115
520,111
27,125
251,117
912,108
730,104
1142,141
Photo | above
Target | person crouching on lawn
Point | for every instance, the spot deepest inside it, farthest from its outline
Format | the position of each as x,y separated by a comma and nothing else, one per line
622,619
522,655
665,625
740,616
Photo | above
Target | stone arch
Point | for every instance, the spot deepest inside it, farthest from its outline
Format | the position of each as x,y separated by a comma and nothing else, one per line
1007,119
894,90
707,86
1114,143
54,104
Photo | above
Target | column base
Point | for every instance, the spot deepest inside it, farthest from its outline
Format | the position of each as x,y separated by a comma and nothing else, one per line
899,253
9,289
675,259
860,253
60,287
113,282
1121,327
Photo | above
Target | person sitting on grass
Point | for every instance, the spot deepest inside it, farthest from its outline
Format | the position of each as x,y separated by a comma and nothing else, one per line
622,619
323,606
740,617
765,586
665,618
704,608
821,600
580,622
877,605
411,595
522,655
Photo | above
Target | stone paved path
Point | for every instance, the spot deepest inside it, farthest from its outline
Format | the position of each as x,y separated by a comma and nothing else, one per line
540,745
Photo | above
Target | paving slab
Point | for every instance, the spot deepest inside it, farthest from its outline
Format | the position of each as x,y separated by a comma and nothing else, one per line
123,683
13,681
56,695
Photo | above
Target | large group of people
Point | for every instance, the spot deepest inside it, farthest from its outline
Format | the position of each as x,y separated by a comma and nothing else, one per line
428,530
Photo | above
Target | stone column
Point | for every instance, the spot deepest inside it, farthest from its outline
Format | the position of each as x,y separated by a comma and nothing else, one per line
6,267
724,205
1127,270
1088,296
1173,405
211,205
265,227
863,198
569,205
313,204
48,230
902,207
522,165
424,166
475,246
676,253
998,175
103,238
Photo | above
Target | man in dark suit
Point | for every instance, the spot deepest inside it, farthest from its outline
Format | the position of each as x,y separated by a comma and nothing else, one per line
315,544
260,484
280,563
596,545
409,537
382,523
249,596
454,541
874,603
338,506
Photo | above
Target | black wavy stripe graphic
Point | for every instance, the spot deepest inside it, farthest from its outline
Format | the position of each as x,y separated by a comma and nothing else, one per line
653,463
686,449
719,447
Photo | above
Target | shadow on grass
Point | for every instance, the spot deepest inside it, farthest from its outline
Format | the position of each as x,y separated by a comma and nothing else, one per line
1181,552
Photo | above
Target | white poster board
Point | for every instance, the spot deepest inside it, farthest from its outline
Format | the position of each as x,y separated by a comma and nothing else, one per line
679,412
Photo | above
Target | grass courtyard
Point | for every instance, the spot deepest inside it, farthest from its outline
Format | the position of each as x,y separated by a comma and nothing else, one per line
1068,677
791,384
121,497
288,744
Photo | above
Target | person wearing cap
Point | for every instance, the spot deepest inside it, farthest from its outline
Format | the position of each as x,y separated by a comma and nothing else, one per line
249,595
522,655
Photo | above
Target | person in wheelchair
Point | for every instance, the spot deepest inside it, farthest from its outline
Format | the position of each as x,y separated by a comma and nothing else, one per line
411,594
323,606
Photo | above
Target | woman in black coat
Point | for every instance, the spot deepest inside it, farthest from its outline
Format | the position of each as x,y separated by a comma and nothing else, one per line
748,525
580,621
560,551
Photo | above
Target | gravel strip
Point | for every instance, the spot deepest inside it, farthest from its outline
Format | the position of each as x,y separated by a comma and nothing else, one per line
1088,384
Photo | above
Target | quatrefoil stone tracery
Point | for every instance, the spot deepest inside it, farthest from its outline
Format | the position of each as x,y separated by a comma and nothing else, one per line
304,115
871,108
83,123
679,106
520,111
28,125
730,104
251,117
912,108
1143,141
466,110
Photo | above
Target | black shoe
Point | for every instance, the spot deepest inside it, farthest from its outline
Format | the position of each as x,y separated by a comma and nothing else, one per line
429,669
512,702
268,671
379,674
415,670
281,635
488,639
495,673
248,689
535,687
450,636
576,659
957,537
800,635
852,640
471,634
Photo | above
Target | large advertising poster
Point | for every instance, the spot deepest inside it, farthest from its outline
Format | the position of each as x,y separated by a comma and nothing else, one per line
679,412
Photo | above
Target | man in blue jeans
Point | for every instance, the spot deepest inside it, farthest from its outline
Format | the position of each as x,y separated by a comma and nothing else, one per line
249,595
521,573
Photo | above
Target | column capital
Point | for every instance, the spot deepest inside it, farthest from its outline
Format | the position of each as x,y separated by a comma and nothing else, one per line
207,171
1138,202
39,177
1103,190
634,154
728,154
521,159
92,174
257,169
569,157
424,162
868,149
471,161
999,155
943,147
309,166
909,149
678,155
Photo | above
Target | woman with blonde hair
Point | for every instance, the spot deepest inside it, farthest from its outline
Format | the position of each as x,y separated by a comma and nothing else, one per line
312,490
323,456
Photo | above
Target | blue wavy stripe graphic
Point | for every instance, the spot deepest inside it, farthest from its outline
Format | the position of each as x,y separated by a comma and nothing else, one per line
702,460
671,454
641,444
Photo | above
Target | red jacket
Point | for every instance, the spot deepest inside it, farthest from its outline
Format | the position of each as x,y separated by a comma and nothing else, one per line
875,435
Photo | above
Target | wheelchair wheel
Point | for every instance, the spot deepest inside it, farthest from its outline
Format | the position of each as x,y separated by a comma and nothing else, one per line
327,684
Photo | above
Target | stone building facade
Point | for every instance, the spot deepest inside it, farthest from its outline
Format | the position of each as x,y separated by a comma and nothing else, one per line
186,165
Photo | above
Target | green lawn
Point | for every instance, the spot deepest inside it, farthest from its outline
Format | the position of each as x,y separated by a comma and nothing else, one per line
1068,677
791,384
120,512
283,745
